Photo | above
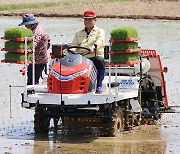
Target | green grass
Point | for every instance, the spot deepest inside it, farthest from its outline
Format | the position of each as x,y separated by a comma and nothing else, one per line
123,32
118,58
18,32
14,57
13,45
20,6
122,46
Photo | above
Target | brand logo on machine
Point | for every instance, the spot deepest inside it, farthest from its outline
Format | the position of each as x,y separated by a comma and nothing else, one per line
69,77
70,60
126,83
67,69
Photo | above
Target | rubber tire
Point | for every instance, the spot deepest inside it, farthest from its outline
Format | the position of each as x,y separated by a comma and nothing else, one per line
41,121
117,122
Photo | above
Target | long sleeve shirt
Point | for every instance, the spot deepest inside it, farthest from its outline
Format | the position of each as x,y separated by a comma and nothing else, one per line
41,40
96,36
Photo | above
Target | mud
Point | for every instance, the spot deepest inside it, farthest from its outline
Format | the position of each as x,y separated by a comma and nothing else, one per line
162,138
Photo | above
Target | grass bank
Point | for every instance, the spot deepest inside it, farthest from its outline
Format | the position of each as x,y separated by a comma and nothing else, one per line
4,7
37,5
21,6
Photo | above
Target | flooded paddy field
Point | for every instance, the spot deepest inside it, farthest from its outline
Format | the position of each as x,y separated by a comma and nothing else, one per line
146,139
16,123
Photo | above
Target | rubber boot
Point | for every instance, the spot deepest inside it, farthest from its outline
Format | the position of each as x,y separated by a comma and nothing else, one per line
100,78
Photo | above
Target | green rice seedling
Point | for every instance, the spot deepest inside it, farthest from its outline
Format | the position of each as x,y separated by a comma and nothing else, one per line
123,32
13,45
14,57
119,58
18,32
122,46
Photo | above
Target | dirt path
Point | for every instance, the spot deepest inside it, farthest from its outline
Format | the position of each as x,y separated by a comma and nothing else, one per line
144,9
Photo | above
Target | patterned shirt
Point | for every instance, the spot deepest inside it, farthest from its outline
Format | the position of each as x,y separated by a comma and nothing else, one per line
96,36
41,40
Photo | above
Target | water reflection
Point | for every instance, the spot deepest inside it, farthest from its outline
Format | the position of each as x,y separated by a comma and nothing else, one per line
162,138
134,142
143,139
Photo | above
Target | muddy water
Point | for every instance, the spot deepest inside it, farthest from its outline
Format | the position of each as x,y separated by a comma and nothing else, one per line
159,139
16,123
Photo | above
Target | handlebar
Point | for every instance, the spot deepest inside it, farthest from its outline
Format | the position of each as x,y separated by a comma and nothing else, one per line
84,48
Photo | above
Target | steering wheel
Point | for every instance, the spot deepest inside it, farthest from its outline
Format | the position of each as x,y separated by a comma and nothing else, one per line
79,47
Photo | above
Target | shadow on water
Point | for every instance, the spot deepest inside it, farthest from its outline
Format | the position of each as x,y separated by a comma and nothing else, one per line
131,142
25,131
67,137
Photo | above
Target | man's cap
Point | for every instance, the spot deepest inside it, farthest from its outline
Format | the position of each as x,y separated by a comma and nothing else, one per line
28,19
89,14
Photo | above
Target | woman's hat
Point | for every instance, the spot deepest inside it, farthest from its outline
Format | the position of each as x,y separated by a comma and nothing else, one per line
28,19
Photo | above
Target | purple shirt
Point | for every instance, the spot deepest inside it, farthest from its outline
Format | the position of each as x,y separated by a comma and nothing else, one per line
41,40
